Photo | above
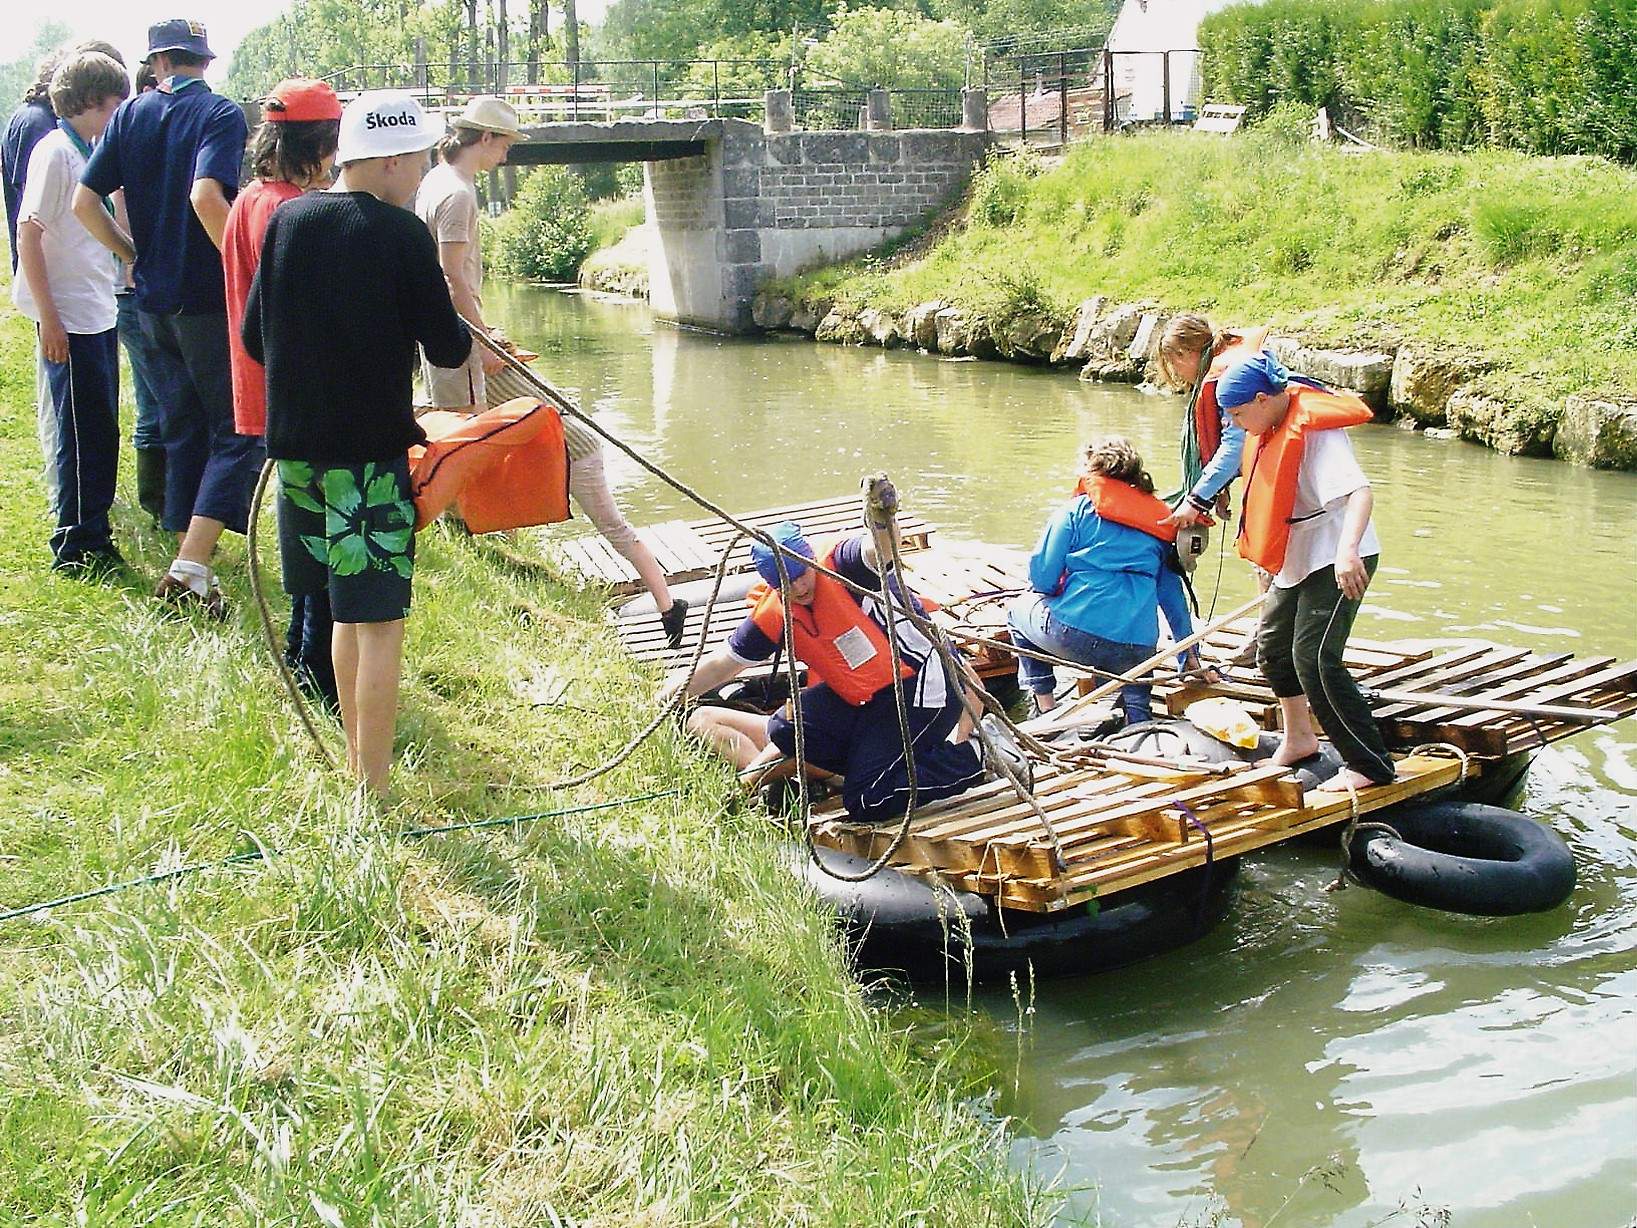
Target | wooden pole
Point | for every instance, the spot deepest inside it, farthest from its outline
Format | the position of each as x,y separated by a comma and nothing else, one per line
1134,676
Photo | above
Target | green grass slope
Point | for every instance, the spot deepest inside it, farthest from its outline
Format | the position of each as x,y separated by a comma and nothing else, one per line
619,1016
1528,263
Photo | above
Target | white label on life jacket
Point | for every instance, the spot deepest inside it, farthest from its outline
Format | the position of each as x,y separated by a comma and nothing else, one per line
855,647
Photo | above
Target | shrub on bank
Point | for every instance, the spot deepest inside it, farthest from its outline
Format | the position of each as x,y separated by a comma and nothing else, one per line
1547,76
546,234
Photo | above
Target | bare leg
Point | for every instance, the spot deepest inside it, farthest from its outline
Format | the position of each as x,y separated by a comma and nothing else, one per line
737,736
588,483
367,661
1300,739
199,542
344,656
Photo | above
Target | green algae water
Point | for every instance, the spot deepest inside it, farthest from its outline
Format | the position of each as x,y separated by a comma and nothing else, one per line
1321,1058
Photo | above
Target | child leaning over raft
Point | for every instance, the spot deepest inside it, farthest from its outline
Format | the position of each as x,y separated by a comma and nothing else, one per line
1306,522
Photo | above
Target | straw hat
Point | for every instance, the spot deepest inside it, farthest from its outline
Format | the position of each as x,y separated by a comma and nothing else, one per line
489,114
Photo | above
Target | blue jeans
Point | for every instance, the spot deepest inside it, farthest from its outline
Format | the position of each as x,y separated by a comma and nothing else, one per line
149,432
1036,629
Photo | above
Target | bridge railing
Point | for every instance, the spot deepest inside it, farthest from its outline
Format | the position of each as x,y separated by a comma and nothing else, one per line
546,91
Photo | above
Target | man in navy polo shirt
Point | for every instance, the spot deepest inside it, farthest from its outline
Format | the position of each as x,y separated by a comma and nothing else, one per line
176,152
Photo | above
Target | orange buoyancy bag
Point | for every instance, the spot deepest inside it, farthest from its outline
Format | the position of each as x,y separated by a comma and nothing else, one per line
1273,463
1207,413
841,645
1124,504
504,468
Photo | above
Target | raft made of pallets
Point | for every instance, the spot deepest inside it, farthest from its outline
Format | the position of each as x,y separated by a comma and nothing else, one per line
692,549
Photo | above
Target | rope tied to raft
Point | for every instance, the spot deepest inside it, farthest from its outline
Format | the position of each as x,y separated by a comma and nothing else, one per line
1203,905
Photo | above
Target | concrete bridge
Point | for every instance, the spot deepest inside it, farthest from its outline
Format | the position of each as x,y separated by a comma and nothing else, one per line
733,203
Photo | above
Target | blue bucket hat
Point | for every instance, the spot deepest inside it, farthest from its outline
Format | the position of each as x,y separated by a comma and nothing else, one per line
788,534
1240,383
178,34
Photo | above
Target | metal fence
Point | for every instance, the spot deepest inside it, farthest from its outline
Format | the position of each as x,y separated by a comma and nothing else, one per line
1066,95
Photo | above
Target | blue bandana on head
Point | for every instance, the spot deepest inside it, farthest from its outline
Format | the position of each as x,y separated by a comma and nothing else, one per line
788,534
1240,383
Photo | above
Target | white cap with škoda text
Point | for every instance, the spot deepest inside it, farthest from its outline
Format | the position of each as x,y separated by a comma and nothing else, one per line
383,124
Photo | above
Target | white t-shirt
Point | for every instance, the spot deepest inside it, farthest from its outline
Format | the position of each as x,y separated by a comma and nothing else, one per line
447,203
1329,474
82,272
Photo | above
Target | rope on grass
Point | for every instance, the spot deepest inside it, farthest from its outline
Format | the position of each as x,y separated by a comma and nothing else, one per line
264,852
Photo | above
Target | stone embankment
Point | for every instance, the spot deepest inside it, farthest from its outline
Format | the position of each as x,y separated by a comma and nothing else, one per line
621,268
1422,388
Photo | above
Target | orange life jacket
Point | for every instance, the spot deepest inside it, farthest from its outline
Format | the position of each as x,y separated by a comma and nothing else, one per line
1207,413
828,632
505,468
1272,462
1124,504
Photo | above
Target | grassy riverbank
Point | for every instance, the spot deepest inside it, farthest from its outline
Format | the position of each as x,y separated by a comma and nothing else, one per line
618,1016
1525,267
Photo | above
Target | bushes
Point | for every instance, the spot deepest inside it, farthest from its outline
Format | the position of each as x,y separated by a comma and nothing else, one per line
546,234
1546,76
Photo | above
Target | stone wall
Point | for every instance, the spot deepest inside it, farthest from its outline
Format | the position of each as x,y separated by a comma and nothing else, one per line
759,206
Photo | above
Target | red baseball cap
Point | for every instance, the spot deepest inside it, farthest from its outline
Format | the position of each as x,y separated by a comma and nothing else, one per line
301,100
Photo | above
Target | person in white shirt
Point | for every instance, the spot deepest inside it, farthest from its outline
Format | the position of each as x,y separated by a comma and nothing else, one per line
1306,521
65,284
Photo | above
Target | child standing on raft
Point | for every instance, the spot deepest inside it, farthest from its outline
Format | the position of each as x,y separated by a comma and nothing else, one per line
1306,522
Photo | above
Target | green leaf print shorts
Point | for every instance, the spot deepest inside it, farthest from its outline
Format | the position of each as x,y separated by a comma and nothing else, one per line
349,529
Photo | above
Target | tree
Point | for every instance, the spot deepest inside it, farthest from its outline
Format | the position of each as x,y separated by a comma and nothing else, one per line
679,29
17,76
318,37
892,48
1076,23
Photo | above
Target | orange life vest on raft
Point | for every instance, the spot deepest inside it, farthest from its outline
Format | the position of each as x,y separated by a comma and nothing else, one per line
1272,462
1124,504
1207,413
505,468
841,645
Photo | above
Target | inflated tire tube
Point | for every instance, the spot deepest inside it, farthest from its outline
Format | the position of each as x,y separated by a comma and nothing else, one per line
898,925
1465,857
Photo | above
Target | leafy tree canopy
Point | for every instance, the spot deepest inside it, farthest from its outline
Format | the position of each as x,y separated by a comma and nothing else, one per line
17,76
894,48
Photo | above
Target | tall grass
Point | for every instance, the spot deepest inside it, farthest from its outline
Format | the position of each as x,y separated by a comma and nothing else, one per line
629,1016
1524,261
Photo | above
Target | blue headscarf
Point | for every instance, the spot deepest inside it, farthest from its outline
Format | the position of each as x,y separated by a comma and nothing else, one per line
1240,383
788,534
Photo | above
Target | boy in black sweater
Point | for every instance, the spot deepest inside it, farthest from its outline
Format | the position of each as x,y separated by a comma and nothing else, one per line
348,284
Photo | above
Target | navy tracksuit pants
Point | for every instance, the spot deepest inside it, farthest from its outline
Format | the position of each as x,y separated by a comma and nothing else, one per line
85,396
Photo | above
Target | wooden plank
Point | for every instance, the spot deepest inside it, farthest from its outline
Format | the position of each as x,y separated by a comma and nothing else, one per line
1560,690
1490,682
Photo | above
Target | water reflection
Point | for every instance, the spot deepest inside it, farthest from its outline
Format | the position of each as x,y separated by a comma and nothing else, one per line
1321,1056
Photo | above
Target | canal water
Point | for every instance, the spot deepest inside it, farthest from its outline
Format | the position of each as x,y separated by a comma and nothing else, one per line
1321,1058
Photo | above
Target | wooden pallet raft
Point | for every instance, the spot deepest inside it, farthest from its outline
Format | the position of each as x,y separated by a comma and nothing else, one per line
1474,673
1118,830
691,549
939,574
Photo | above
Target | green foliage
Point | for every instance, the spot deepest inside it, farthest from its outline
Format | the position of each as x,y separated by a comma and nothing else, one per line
1547,76
17,76
317,37
680,29
1285,125
1080,23
891,48
546,234
1000,190
1472,252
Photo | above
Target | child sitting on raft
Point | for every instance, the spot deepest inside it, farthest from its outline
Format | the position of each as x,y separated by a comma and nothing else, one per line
1102,571
1306,522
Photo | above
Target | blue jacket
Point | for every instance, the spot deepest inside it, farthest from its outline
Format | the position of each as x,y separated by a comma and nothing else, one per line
1224,466
1107,579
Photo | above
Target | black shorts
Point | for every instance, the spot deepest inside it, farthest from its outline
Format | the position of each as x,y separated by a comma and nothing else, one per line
349,530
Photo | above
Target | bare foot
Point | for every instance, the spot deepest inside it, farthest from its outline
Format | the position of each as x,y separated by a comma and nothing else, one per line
1293,751
1345,779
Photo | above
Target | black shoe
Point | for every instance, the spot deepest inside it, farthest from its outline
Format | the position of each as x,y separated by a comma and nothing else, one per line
673,621
91,565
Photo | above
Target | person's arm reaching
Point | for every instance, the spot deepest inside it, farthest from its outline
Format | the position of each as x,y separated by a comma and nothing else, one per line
1047,562
1222,469
427,307
453,256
